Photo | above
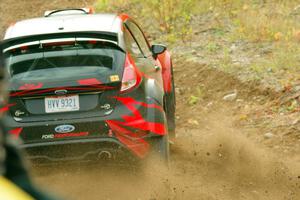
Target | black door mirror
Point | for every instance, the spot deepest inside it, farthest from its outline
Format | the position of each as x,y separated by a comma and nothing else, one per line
158,49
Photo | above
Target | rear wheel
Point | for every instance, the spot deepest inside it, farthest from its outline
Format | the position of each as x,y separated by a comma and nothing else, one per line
161,149
170,105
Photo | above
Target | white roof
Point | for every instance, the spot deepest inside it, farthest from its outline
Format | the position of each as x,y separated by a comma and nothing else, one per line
65,23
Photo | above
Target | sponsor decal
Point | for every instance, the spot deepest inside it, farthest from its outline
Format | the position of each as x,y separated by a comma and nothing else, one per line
49,136
80,134
65,135
114,78
67,128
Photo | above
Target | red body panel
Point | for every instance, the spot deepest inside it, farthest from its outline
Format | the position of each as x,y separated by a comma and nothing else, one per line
134,140
90,81
16,132
123,17
165,61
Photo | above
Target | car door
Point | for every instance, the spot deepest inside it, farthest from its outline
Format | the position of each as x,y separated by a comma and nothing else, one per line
139,48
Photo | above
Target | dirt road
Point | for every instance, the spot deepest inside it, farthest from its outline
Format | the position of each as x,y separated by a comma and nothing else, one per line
214,157
211,159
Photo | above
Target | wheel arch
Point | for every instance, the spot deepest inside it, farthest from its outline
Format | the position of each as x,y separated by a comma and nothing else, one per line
166,63
154,91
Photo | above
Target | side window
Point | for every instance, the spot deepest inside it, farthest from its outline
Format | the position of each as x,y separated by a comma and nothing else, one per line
140,38
131,44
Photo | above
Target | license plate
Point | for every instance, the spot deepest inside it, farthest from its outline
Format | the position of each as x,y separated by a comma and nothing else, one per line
61,104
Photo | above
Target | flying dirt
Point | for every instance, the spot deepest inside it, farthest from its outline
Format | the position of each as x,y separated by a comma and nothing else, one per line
212,158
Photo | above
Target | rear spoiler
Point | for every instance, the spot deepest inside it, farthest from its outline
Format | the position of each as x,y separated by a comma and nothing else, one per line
107,36
87,11
61,41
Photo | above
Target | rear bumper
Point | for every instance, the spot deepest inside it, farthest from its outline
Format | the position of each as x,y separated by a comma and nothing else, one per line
129,127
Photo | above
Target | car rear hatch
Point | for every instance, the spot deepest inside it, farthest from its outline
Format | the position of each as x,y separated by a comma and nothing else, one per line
65,78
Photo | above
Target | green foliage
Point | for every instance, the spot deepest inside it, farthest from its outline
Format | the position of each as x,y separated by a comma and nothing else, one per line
193,100
259,20
226,61
198,95
171,14
293,105
172,17
102,5
271,23
212,47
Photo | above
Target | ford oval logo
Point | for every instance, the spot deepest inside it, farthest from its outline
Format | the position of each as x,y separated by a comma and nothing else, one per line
64,129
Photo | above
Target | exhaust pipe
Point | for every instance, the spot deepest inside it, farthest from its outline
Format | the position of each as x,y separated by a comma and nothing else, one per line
104,155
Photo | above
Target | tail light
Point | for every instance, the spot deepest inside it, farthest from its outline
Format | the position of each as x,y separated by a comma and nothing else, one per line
130,76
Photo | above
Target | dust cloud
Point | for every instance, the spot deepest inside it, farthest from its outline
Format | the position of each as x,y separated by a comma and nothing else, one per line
216,162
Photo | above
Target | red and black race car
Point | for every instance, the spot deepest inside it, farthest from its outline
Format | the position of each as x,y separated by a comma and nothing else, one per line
85,85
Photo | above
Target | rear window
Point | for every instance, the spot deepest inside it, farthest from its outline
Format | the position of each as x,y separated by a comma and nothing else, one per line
63,60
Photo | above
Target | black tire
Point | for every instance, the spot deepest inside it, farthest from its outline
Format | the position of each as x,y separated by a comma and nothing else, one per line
170,106
161,149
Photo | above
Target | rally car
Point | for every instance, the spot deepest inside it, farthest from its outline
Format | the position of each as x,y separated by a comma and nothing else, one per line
85,85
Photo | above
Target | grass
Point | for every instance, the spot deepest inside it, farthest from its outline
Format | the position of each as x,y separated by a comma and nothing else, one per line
198,95
253,20
171,17
269,23
262,23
